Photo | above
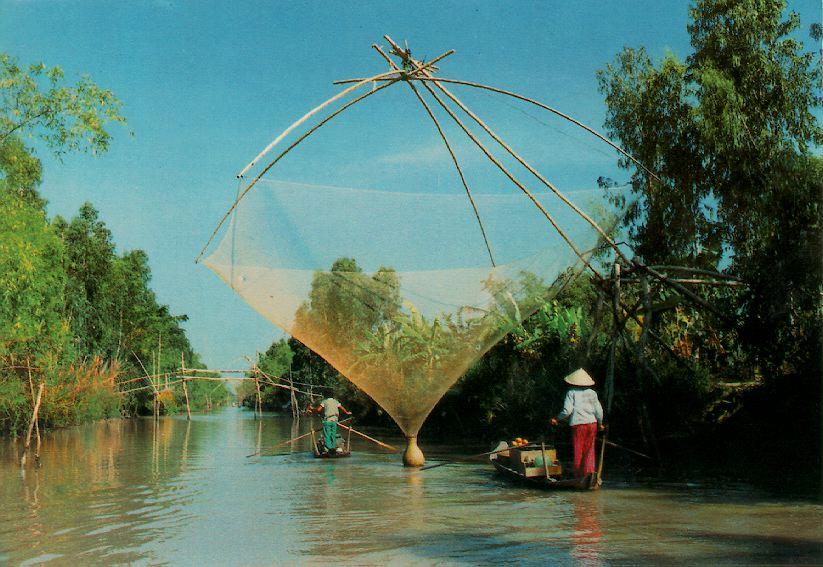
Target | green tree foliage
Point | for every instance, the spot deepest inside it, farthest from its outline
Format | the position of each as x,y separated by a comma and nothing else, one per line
35,102
72,310
275,363
732,132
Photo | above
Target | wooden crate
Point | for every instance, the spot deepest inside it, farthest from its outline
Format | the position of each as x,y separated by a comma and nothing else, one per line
523,462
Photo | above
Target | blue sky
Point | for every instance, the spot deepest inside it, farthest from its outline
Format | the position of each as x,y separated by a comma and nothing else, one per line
207,85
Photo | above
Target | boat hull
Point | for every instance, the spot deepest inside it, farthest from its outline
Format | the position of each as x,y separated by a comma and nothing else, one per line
342,455
505,468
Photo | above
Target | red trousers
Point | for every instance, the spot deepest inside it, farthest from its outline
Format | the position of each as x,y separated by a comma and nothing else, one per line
583,444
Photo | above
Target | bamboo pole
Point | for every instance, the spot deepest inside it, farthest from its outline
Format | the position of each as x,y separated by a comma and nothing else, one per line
146,372
450,150
259,404
32,422
185,388
683,290
509,150
323,105
216,371
36,422
617,327
364,436
293,439
513,179
293,398
543,454
487,453
535,103
696,281
294,144
688,293
598,480
714,274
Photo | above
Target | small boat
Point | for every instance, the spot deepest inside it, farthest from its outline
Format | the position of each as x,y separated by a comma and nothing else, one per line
537,467
321,451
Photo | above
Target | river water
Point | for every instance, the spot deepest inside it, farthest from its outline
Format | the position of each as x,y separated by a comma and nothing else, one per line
179,492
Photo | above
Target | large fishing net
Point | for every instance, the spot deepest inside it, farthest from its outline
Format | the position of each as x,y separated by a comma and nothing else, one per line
396,290
378,261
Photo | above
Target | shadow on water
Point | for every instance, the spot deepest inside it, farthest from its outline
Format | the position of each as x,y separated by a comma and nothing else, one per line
184,492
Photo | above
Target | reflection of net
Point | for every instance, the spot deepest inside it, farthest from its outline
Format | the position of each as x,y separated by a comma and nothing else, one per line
395,290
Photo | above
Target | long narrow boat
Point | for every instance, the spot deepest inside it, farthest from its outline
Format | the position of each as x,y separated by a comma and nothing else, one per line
538,467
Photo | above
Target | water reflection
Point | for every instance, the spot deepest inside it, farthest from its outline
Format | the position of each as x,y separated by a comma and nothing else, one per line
587,534
175,491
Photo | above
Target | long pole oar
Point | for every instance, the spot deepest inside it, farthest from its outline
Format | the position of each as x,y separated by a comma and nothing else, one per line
638,453
364,436
598,480
293,440
427,467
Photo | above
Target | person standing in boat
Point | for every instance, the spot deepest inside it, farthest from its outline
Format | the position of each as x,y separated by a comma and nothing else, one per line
584,413
330,408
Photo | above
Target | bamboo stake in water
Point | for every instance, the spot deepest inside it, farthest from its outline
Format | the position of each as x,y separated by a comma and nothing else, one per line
185,388
31,424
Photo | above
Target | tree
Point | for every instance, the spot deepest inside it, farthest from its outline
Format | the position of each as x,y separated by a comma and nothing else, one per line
732,133
35,102
88,264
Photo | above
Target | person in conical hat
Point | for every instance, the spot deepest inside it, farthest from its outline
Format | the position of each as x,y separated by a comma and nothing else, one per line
584,413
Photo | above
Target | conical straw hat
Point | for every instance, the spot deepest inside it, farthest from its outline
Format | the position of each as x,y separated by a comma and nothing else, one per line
579,378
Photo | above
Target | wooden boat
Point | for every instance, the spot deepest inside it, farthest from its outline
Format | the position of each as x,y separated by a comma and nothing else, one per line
330,454
320,451
537,467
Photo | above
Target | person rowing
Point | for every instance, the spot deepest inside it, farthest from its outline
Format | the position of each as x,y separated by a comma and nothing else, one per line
330,409
584,413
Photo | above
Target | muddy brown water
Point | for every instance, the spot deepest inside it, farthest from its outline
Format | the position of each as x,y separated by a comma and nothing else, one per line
184,493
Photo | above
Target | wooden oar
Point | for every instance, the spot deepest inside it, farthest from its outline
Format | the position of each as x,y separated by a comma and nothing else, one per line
598,479
293,440
427,467
364,436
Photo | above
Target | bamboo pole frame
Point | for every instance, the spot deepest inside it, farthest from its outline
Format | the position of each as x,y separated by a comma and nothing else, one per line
271,146
326,103
413,70
510,176
530,101
407,57
450,150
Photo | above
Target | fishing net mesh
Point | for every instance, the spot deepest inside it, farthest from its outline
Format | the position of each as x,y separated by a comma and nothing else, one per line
397,290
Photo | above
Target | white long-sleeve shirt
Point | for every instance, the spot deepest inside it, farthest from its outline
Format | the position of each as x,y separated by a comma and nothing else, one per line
581,406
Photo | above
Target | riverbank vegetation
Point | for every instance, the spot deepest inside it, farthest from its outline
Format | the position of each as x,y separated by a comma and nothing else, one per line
732,133
75,315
